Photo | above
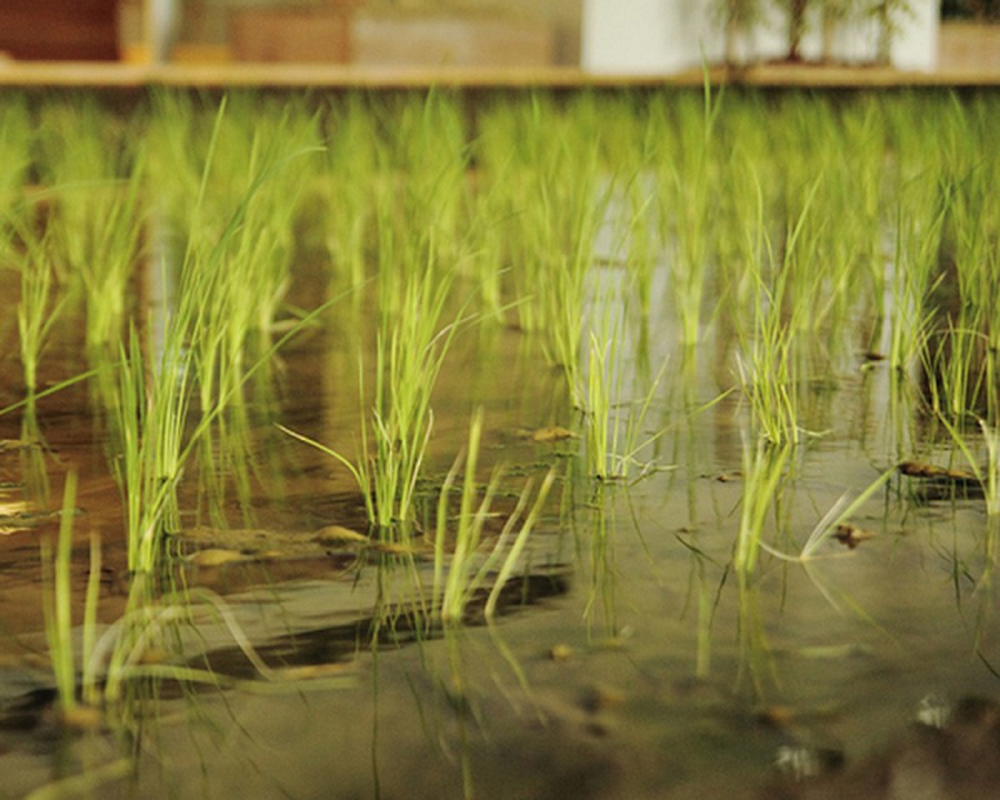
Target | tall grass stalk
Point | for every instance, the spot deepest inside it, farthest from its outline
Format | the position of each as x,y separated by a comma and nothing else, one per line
769,361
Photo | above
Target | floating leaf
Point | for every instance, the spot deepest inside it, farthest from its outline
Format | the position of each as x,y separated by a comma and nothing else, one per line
338,534
552,433
214,557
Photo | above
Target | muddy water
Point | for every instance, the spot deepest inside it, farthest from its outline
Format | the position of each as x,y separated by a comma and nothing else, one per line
628,661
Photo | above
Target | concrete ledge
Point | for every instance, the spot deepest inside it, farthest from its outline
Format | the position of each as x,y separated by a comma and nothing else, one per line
292,76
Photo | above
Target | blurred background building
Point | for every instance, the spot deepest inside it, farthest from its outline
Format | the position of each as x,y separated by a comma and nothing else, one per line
601,36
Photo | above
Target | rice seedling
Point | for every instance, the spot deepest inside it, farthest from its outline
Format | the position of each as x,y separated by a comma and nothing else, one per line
911,281
151,423
428,147
764,474
235,269
410,350
150,418
281,146
467,568
614,425
766,362
988,473
94,172
687,188
350,171
833,520
216,338
57,600
780,343
542,170
15,154
40,303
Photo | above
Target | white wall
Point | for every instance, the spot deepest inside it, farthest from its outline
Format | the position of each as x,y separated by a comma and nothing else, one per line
661,36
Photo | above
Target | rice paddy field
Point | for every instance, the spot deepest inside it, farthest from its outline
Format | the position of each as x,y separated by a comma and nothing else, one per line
536,444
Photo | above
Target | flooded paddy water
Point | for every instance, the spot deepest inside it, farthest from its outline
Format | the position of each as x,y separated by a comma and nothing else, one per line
579,446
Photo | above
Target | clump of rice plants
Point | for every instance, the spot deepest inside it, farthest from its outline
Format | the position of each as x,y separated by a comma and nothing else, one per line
543,171
410,349
15,155
764,474
41,300
687,180
614,423
93,167
458,576
150,421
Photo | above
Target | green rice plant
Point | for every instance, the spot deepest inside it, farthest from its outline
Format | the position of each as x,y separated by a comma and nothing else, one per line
987,474
94,172
767,372
542,173
409,352
955,373
839,513
395,166
57,600
39,306
428,147
468,569
15,154
236,266
687,183
106,267
911,283
771,353
614,427
963,299
150,419
282,142
764,474
518,541
496,233
350,171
